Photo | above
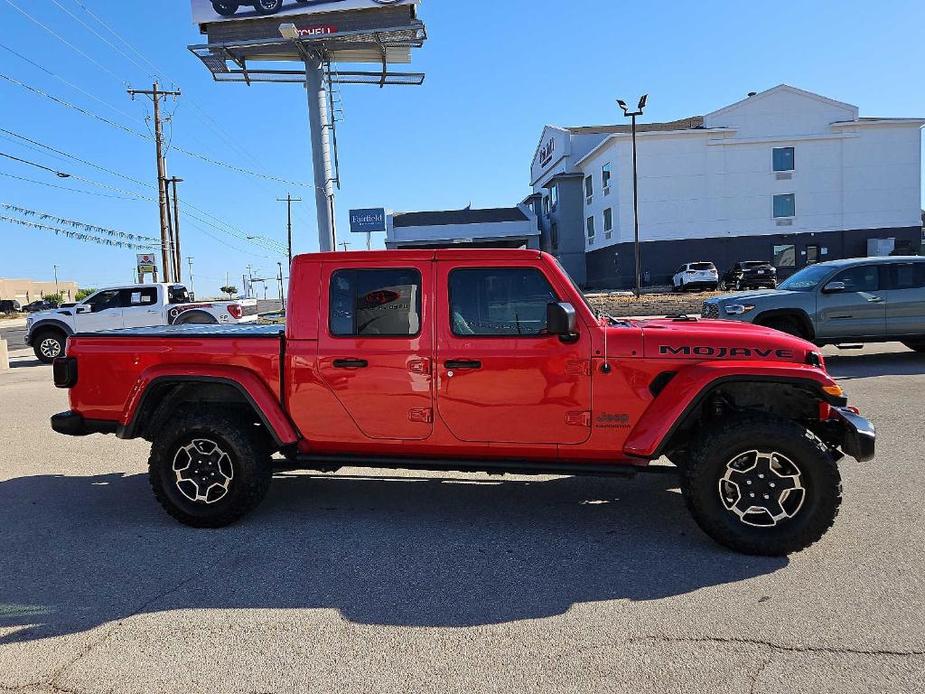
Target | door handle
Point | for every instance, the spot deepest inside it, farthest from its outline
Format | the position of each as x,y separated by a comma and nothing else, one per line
350,363
462,364
875,299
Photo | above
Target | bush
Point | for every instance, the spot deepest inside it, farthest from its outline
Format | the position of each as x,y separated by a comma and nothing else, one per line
83,294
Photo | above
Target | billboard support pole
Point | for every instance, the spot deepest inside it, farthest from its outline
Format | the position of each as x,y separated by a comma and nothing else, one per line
319,122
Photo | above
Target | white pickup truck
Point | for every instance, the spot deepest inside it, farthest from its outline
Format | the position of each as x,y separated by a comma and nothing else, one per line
130,306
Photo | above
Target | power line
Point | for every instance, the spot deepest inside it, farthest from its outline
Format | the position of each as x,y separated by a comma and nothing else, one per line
66,82
63,40
59,174
146,136
70,190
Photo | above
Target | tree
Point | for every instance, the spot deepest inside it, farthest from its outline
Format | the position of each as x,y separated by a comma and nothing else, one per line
83,294
55,298
230,290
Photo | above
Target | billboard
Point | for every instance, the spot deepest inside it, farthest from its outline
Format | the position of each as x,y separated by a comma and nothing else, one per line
212,11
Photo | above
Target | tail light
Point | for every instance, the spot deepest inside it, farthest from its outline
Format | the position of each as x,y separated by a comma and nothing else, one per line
64,370
235,311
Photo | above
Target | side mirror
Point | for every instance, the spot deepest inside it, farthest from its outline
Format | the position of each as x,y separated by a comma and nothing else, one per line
834,288
84,308
561,320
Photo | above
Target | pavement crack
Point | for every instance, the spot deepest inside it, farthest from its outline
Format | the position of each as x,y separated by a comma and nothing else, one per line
783,648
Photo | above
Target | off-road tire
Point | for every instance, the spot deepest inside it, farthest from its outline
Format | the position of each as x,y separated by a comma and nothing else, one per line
268,6
249,458
721,443
786,324
916,346
226,9
44,336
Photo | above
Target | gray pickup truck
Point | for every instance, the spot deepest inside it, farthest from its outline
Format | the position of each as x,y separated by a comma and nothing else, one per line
840,302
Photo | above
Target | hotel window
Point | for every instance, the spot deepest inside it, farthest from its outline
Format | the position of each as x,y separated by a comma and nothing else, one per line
546,204
608,223
785,256
554,236
589,187
785,206
606,175
553,196
590,225
783,159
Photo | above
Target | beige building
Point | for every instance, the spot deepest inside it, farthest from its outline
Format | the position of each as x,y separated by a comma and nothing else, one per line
26,291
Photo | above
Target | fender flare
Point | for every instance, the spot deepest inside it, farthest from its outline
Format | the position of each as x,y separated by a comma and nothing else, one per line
688,390
246,382
798,313
50,323
178,319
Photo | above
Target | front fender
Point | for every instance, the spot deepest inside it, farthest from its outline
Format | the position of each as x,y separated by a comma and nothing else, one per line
692,384
249,384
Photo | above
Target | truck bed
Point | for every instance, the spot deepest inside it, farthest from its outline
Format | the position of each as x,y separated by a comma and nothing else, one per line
241,330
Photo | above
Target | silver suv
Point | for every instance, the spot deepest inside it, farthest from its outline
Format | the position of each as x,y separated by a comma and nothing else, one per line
839,302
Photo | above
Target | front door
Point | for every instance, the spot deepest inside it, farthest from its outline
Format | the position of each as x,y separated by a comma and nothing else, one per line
857,312
905,299
376,351
105,312
501,378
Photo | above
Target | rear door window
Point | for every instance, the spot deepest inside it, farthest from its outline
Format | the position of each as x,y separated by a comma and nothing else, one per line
907,276
375,303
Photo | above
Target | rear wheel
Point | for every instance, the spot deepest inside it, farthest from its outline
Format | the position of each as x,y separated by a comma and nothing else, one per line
48,345
762,485
225,9
268,6
207,469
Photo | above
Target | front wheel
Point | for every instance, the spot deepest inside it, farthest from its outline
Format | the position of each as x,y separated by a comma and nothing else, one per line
763,486
207,469
48,345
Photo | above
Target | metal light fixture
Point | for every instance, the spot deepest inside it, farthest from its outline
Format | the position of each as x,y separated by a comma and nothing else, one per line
633,114
289,31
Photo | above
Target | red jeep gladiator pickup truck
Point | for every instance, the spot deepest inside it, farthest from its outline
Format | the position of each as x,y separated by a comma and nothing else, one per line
476,361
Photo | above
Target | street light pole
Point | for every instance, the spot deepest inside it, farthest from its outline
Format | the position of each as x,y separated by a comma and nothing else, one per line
632,115
57,291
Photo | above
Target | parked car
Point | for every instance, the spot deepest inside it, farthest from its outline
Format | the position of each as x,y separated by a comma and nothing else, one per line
10,306
702,275
229,9
473,360
750,274
839,302
131,306
39,305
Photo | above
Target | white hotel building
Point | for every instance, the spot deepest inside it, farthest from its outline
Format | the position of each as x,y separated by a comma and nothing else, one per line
783,175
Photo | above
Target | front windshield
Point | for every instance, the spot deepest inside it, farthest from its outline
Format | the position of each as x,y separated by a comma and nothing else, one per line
806,279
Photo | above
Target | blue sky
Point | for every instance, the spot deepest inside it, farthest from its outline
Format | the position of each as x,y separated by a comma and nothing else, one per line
497,72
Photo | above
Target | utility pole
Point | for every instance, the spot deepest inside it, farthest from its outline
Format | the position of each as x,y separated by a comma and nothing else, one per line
178,256
56,279
344,244
289,200
156,94
282,293
192,290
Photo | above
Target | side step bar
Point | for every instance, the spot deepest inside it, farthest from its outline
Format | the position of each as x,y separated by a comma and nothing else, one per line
332,463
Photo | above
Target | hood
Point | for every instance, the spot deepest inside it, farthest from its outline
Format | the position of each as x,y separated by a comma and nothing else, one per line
718,339
752,297
51,313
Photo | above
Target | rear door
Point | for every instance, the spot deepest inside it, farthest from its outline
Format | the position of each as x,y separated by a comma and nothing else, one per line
857,312
140,307
905,299
376,351
501,378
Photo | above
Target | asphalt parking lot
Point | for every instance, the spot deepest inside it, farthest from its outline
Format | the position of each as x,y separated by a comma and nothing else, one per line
427,582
